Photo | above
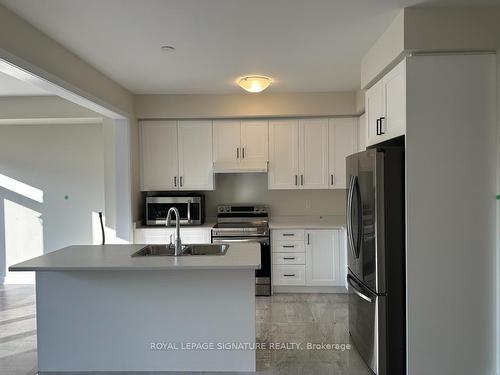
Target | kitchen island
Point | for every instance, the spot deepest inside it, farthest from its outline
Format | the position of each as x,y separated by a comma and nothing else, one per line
99,309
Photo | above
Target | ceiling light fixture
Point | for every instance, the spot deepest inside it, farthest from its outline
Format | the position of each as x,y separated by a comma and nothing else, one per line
168,48
254,83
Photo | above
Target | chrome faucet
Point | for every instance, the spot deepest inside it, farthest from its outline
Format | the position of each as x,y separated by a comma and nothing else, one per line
178,243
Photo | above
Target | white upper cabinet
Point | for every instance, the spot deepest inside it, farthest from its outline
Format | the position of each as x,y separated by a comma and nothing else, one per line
310,153
374,106
313,153
239,144
385,105
195,155
176,155
159,163
394,123
283,154
323,257
226,140
342,135
254,140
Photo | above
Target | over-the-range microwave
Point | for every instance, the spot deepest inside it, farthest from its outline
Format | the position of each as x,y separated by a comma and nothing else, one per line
191,209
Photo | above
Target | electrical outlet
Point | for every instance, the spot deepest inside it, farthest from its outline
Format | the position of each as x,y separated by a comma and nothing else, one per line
308,203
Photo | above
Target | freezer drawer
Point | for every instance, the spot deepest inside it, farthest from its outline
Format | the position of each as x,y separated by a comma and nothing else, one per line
367,324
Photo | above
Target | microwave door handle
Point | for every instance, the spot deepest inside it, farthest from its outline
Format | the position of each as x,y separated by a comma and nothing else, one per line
189,211
357,291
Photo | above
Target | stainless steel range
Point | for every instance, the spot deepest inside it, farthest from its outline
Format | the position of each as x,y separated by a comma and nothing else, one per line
247,223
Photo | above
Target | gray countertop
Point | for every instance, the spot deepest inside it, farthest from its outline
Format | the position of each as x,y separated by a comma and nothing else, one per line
117,258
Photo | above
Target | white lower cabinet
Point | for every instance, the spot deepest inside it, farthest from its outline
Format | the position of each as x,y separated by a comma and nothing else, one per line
189,235
322,257
289,258
314,258
289,275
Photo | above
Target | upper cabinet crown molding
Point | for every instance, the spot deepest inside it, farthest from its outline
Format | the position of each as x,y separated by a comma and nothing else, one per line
176,155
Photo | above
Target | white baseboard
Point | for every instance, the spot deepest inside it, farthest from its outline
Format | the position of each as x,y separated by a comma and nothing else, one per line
309,289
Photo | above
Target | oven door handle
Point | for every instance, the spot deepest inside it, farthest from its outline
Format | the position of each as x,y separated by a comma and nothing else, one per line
265,241
356,290
189,212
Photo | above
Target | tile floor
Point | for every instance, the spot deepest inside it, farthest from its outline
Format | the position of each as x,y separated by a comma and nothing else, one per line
283,318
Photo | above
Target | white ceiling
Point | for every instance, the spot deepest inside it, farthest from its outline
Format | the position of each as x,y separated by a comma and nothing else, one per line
10,86
305,45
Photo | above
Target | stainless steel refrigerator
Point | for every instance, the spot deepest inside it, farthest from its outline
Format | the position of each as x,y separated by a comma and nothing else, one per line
376,257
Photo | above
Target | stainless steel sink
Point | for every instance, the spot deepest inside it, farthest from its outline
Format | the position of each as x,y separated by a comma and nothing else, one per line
194,249
205,249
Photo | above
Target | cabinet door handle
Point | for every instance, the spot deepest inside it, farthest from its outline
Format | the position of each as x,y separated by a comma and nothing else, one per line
175,181
289,247
378,131
288,234
381,125
296,180
180,180
289,274
237,152
243,153
289,258
331,178
308,239
302,179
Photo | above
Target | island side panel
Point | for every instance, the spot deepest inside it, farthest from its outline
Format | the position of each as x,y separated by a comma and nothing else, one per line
107,320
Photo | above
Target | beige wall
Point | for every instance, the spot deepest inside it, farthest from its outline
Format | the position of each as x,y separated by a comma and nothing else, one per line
30,47
65,162
246,105
386,50
459,28
432,29
135,169
252,188
360,101
23,107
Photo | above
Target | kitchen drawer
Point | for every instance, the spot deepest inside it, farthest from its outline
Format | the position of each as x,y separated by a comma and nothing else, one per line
289,258
287,234
289,275
288,247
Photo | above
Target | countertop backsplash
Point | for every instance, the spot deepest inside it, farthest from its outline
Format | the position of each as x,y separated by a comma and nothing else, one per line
252,188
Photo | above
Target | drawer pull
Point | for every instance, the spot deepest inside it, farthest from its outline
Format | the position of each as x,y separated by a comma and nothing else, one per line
289,246
289,258
289,275
288,234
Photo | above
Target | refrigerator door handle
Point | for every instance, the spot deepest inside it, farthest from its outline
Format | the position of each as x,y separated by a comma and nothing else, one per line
357,291
357,244
349,213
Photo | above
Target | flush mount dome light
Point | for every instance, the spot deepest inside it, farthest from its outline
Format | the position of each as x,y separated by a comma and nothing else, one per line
254,83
